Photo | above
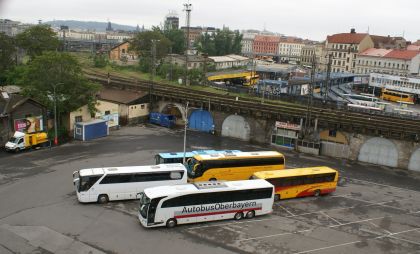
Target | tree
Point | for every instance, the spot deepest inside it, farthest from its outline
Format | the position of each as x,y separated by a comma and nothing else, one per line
37,39
177,38
60,72
7,53
222,42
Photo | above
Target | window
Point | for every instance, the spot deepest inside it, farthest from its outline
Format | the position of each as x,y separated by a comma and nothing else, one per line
332,133
107,112
78,119
142,106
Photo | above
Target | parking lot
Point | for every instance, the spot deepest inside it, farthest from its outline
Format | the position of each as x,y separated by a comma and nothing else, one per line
374,210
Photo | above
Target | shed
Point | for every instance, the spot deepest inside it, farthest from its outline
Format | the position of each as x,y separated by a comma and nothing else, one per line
91,130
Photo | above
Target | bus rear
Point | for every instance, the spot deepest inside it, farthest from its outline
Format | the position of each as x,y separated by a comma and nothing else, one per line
300,182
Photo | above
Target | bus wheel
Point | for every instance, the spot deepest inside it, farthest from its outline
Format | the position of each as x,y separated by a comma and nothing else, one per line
277,197
238,216
103,199
250,214
213,179
171,223
317,193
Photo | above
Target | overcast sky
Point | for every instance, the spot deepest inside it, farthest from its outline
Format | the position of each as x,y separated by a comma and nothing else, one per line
313,19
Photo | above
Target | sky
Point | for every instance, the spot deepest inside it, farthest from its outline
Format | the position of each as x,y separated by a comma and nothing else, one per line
309,19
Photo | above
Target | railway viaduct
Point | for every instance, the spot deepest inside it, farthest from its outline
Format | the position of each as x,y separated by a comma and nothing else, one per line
358,136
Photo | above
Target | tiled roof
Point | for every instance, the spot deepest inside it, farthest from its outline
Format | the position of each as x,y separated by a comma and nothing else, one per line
375,52
402,54
413,47
120,96
346,38
266,38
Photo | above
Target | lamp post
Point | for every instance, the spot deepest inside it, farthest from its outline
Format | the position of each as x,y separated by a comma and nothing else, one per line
185,131
55,113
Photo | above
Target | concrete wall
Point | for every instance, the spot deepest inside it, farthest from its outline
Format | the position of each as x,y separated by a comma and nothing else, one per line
236,126
138,110
83,112
103,106
414,163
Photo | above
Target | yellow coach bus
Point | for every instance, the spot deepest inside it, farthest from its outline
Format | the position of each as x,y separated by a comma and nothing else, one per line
232,166
300,182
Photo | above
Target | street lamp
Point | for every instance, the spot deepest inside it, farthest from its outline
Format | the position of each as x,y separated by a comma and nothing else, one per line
185,131
54,86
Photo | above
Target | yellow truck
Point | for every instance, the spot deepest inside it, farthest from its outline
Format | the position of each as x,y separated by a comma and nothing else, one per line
21,141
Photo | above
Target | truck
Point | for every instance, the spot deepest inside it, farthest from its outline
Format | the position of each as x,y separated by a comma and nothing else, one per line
21,141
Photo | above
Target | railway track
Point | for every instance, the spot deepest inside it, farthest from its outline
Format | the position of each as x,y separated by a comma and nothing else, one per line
377,124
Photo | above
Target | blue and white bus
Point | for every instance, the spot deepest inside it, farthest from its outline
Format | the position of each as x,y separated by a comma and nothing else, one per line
177,157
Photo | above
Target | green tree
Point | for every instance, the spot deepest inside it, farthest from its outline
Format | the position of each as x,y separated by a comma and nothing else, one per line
37,39
100,60
222,42
60,72
177,38
7,54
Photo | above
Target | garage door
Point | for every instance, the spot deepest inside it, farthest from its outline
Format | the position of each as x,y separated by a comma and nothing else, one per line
414,163
379,151
236,127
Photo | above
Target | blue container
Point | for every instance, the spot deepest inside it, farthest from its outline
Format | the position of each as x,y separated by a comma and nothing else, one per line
91,130
164,120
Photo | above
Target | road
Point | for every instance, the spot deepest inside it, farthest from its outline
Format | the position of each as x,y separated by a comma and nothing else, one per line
374,210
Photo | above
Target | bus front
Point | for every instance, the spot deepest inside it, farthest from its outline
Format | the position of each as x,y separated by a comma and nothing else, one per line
83,180
147,210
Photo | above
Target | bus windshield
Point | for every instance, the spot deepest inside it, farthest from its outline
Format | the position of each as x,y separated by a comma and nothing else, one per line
87,181
190,165
144,204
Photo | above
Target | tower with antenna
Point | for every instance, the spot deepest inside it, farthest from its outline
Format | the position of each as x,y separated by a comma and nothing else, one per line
171,21
187,9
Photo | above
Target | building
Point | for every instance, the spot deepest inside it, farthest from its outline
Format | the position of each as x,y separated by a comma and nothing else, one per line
12,28
344,47
313,49
19,113
247,43
133,106
290,48
389,61
413,47
388,42
396,83
229,61
171,21
122,54
194,61
266,45
194,33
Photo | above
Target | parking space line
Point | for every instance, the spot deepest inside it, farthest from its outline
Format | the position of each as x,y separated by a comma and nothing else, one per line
284,208
380,184
328,247
386,231
379,203
355,222
404,240
397,233
331,218
268,236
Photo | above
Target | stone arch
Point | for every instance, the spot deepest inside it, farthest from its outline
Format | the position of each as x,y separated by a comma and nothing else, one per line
379,151
201,120
414,163
168,108
236,127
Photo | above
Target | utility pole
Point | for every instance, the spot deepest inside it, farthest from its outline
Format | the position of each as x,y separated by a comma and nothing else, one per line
310,96
153,59
185,131
187,9
327,81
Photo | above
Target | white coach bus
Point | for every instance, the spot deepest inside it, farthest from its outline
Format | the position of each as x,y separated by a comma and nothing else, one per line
117,183
205,201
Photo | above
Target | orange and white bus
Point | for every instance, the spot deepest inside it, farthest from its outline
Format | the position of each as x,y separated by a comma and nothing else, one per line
300,182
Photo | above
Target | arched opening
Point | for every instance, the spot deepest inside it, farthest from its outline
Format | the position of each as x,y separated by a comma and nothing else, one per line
201,120
379,151
414,163
236,127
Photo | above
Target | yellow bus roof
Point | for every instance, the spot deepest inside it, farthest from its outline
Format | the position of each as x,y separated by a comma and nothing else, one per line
238,155
293,172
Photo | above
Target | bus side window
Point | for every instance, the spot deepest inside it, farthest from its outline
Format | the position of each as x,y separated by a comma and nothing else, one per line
176,175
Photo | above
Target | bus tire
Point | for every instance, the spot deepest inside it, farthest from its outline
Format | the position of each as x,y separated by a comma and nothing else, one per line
171,223
103,199
277,197
317,193
212,179
238,216
250,214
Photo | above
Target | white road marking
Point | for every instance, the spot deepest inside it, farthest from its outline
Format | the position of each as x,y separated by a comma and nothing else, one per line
331,218
397,233
289,212
404,240
379,204
328,247
380,184
386,231
281,234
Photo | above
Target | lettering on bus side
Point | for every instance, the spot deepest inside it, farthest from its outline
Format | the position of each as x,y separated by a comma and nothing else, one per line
220,208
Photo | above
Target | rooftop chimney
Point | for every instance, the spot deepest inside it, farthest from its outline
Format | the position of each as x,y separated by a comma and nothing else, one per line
352,31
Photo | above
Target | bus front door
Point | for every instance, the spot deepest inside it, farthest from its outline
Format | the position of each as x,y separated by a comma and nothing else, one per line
152,210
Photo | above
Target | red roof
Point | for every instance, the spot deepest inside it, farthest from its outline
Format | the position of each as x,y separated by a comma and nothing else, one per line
402,54
414,47
346,38
266,38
